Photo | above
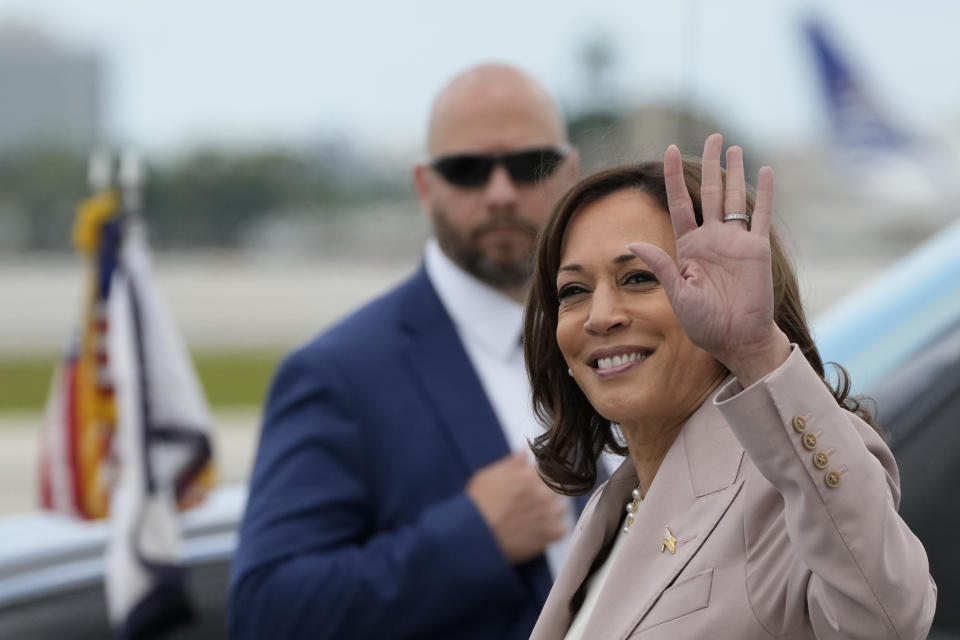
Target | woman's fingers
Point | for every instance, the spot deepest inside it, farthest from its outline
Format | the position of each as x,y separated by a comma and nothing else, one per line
735,196
711,186
678,198
717,199
763,209
662,265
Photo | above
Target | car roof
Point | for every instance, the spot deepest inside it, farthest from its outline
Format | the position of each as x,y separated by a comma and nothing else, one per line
42,552
899,312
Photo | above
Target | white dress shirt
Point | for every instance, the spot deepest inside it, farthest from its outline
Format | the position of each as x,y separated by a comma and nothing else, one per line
489,325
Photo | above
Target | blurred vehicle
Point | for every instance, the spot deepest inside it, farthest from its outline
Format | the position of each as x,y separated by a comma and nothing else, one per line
899,337
51,572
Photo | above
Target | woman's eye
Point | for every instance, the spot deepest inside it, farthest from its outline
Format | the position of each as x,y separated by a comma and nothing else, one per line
640,277
569,290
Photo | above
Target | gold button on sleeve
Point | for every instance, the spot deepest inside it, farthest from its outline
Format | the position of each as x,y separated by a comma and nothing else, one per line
820,460
832,478
799,424
809,441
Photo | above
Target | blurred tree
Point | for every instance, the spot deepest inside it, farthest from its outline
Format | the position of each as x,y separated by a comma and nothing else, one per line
598,62
594,120
46,185
207,198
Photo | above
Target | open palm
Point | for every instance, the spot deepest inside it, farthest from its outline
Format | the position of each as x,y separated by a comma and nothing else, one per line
721,286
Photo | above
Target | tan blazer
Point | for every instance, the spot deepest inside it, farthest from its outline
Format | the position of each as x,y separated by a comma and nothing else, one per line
784,511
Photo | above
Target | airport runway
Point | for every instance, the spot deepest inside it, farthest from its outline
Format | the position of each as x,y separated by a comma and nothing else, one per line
223,302
218,300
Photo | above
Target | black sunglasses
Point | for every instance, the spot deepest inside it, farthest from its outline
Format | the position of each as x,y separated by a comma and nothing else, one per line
474,169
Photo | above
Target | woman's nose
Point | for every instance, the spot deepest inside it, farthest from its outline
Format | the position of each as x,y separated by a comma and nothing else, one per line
607,312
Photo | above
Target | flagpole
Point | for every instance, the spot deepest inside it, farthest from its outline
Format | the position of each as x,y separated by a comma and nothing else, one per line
100,171
131,178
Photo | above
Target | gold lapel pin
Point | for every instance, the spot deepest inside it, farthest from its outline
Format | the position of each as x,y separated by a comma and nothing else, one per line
669,542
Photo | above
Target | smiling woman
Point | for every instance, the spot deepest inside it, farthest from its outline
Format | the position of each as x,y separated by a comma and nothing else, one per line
755,501
578,432
616,328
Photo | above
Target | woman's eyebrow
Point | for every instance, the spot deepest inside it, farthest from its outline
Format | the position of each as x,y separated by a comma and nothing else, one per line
626,257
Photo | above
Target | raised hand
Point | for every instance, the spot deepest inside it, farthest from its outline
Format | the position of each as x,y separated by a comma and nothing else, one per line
721,286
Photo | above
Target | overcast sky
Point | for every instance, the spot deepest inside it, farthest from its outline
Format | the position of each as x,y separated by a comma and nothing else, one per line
181,72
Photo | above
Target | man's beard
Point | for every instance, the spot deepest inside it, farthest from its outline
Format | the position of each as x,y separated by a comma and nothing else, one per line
469,257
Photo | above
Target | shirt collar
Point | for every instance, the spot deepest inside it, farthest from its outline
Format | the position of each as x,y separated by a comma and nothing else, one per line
479,312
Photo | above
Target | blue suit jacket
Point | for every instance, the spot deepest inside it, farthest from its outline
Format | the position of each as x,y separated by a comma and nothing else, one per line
357,524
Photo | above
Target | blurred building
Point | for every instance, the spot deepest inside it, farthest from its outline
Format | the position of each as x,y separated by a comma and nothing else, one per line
641,132
51,96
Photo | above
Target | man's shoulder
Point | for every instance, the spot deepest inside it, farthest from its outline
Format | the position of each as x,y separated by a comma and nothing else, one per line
378,322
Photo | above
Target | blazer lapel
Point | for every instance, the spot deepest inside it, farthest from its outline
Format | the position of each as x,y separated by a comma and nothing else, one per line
695,485
594,529
441,366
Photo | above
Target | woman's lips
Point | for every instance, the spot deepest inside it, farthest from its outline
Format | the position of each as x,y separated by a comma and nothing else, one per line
608,367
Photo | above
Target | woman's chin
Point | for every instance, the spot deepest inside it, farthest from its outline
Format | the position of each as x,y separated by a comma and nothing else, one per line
617,412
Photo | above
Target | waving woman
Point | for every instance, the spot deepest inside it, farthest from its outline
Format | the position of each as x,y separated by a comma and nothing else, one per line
755,502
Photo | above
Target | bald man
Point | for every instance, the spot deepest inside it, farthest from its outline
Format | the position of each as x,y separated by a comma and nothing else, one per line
392,495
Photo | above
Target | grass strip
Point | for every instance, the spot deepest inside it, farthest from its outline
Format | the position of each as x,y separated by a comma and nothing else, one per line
236,378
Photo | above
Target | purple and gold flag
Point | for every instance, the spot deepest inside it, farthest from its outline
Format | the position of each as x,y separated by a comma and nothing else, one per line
127,432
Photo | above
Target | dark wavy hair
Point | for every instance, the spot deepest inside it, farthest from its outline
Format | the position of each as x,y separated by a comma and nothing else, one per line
576,434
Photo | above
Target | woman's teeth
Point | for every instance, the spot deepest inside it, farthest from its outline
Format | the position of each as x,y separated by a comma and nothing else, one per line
616,361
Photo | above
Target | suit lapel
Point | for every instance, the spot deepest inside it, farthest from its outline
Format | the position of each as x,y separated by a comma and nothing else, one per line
695,485
442,368
594,529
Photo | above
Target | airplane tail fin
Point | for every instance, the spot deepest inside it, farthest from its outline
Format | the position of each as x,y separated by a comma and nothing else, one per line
860,125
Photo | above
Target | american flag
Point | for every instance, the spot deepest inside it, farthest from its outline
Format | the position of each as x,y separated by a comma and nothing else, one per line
127,433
